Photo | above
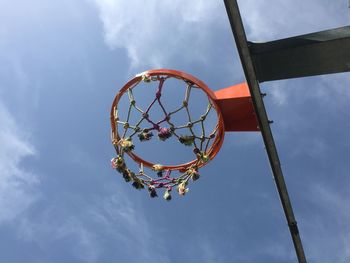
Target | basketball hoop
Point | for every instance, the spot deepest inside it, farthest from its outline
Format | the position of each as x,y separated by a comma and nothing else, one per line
233,109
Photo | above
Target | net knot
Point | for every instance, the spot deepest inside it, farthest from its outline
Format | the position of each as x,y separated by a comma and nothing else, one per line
203,157
157,167
145,136
181,188
193,173
137,184
126,176
187,140
152,191
167,195
164,133
146,78
126,144
118,163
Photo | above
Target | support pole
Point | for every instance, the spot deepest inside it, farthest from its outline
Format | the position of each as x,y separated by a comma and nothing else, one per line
247,63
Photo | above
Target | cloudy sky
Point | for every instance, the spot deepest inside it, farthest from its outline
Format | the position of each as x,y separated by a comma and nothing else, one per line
62,62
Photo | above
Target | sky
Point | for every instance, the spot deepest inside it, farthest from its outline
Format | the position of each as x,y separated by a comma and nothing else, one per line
61,64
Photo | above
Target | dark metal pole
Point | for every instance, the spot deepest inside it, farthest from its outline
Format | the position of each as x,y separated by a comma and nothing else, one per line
242,45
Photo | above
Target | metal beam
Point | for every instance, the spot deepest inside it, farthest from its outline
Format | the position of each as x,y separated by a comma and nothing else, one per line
247,63
313,54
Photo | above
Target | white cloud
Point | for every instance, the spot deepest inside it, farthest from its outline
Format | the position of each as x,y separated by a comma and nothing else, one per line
86,246
280,95
243,139
334,89
325,230
17,185
46,231
131,230
110,219
312,147
154,31
279,19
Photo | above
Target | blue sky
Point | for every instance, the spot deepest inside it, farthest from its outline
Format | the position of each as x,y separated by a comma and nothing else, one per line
62,62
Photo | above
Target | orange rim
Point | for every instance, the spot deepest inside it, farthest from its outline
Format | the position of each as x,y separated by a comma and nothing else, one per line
219,137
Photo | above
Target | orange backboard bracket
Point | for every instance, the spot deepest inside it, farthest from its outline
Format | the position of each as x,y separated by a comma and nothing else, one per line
237,109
